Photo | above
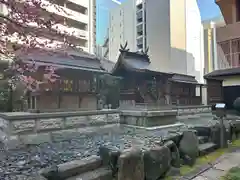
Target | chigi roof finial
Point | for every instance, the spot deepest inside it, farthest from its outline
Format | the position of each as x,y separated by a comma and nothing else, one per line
124,48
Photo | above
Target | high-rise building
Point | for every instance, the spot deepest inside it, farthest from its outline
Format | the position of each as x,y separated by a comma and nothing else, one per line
228,36
79,20
170,30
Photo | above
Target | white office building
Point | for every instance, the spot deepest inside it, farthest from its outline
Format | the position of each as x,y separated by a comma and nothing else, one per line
79,20
171,29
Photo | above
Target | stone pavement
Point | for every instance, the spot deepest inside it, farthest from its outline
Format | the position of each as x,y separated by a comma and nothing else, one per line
222,166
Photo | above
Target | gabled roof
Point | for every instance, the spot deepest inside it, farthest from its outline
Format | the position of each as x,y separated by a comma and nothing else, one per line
73,60
183,79
140,62
223,72
133,61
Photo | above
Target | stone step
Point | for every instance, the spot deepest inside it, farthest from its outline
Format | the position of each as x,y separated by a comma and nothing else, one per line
97,174
73,168
202,139
206,148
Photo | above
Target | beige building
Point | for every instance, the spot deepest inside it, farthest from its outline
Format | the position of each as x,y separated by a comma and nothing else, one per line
171,30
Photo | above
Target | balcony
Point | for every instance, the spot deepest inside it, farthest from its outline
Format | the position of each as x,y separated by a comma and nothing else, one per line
74,31
140,30
65,12
228,32
140,16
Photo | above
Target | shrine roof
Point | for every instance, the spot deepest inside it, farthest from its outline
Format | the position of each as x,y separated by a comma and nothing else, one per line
72,60
140,62
133,61
183,79
223,72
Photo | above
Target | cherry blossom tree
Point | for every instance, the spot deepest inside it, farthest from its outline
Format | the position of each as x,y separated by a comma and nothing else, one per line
26,25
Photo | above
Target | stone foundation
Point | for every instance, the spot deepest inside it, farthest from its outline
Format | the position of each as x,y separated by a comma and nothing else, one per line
19,129
148,118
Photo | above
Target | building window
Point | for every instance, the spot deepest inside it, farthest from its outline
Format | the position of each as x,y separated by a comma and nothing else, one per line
120,13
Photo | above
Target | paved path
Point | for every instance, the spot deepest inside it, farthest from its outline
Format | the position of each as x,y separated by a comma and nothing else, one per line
223,165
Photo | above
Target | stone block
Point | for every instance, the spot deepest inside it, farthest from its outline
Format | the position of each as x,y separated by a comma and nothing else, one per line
35,139
72,168
3,123
156,162
22,126
188,147
175,156
96,119
3,136
113,118
49,124
110,155
77,121
131,165
12,142
131,120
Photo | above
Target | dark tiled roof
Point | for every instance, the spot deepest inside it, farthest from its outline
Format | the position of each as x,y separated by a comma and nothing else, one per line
74,59
139,62
223,72
106,64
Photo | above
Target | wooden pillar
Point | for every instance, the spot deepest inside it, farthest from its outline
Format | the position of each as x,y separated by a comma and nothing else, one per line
201,94
59,100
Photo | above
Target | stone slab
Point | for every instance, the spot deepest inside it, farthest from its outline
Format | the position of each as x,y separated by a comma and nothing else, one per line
21,126
76,121
213,174
3,123
200,178
51,123
113,118
226,165
95,119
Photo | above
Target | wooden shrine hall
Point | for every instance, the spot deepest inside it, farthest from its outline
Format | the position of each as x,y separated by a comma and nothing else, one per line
140,84
78,85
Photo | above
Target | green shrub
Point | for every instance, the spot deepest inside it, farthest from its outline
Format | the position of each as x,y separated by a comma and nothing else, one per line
233,174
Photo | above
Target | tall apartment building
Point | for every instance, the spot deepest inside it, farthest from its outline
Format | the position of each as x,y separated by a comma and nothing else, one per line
213,54
228,36
79,19
170,29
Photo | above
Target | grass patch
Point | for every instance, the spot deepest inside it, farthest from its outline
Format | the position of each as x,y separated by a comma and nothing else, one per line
233,174
184,170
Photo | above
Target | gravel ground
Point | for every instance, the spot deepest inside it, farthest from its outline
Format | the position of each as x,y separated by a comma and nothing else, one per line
23,164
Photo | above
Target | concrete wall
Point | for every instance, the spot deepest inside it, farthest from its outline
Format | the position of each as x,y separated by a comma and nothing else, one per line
158,34
194,44
231,81
122,28
178,36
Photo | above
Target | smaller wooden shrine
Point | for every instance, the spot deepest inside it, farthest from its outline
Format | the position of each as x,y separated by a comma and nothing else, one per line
223,86
142,85
77,86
